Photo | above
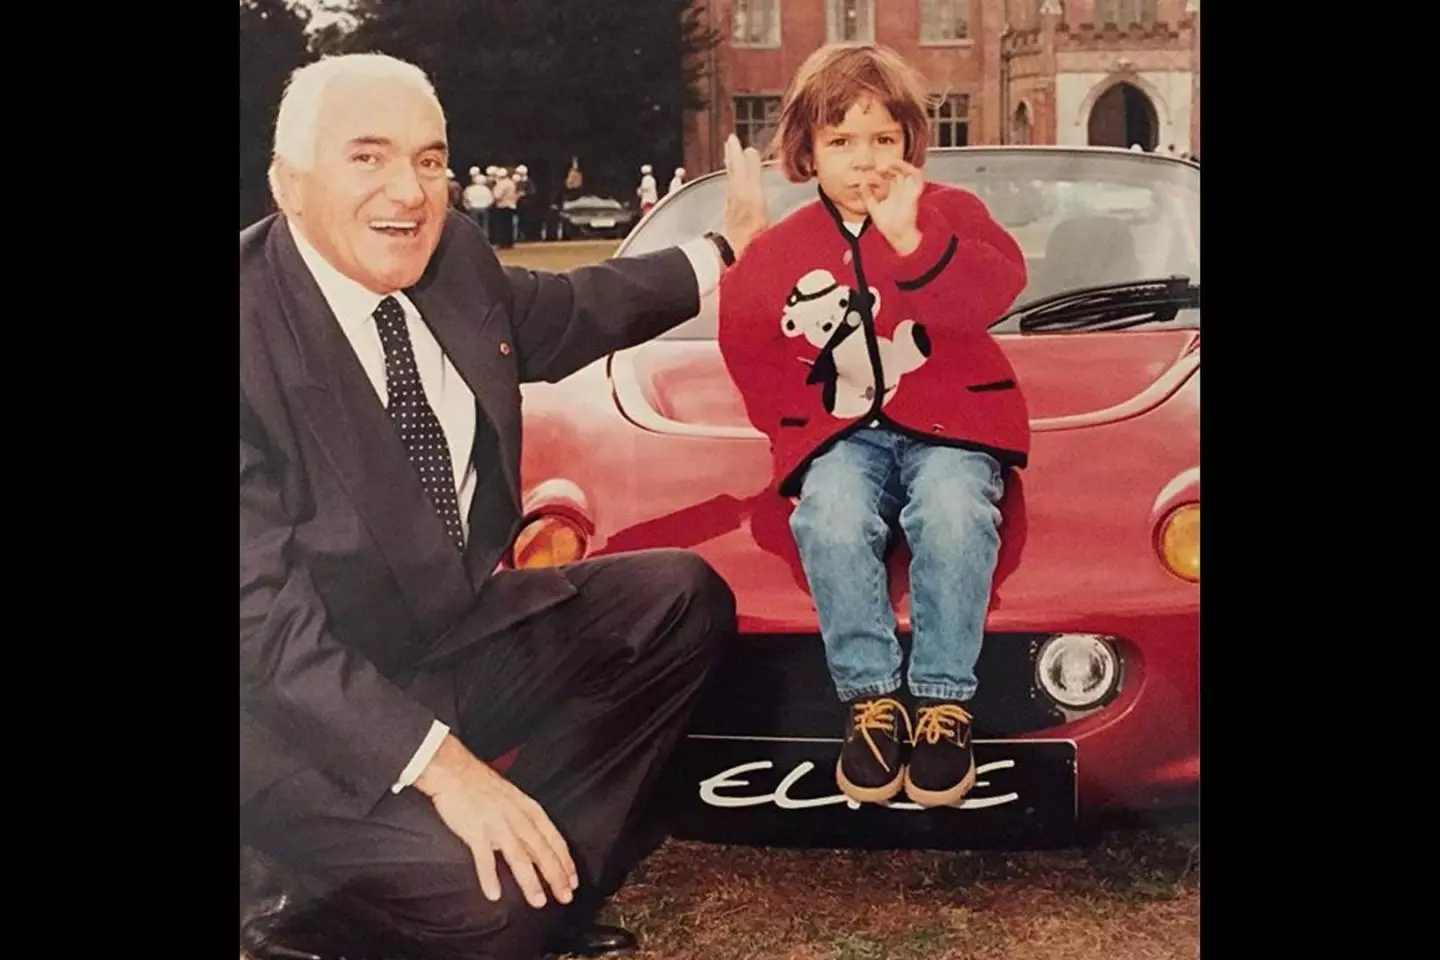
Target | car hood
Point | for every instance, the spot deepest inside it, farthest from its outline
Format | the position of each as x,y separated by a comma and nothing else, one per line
681,387
1082,513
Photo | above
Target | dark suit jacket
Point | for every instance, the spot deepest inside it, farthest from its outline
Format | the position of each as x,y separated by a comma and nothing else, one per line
348,583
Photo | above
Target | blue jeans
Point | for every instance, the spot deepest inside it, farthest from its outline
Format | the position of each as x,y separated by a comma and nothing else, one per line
946,501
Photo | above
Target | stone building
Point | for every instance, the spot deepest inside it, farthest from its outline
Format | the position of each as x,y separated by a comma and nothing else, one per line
1111,72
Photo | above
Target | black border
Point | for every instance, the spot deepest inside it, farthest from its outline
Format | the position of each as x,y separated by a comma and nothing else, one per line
1309,440
131,651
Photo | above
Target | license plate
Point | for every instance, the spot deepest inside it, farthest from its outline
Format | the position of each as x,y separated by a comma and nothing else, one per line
602,222
782,792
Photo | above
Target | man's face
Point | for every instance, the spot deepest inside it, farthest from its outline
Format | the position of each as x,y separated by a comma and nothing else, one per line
849,155
374,199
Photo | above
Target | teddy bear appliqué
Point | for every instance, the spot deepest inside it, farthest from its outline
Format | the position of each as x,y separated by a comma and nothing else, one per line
826,313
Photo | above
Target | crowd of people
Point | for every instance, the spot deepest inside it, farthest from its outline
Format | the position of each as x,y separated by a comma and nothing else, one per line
507,205
503,201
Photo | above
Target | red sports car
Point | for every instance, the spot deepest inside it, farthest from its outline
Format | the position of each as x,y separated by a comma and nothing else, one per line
1089,679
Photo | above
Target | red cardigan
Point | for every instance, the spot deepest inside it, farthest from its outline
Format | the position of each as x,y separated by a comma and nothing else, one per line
806,348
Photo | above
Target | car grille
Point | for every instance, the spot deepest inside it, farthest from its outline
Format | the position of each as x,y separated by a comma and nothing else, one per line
778,685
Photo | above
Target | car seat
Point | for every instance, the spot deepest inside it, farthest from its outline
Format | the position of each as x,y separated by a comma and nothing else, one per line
1083,252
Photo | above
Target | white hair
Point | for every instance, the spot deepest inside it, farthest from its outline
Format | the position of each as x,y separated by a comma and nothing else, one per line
300,104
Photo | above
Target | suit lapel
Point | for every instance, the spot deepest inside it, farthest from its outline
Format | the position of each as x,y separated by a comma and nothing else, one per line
350,424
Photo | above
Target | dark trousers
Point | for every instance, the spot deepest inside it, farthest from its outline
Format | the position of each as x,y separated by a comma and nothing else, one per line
594,692
502,226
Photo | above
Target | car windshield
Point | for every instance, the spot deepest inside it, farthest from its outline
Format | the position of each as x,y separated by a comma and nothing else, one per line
1083,218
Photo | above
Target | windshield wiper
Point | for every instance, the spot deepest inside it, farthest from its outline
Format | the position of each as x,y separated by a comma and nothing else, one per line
1110,306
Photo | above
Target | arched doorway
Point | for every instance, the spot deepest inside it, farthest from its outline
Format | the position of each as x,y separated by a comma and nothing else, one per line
1022,124
1123,116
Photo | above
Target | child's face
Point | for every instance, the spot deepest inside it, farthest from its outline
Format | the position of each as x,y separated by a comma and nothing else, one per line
849,155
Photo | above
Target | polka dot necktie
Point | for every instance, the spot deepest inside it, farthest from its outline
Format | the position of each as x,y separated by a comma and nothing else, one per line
411,413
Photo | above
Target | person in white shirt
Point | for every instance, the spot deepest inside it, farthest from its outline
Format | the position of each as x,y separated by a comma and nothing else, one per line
647,189
507,195
526,223
389,663
676,181
478,199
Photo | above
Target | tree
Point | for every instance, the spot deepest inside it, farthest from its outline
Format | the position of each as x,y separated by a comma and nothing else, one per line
537,82
272,44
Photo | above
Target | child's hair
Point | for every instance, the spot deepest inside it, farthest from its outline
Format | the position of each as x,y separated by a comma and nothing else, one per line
829,83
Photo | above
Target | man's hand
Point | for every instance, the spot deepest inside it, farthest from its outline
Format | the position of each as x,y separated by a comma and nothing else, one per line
895,216
489,813
745,214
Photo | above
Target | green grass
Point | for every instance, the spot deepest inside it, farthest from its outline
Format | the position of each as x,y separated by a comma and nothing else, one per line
557,257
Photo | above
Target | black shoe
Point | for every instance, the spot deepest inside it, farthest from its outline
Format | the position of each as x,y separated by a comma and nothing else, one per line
942,764
595,940
871,768
262,931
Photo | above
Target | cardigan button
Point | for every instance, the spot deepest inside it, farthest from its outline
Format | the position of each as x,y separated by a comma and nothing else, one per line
504,348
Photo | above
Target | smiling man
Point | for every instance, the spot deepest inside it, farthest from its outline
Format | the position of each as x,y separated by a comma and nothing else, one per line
371,203
385,660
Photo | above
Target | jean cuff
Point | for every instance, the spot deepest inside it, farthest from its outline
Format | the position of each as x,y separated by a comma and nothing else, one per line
940,691
883,689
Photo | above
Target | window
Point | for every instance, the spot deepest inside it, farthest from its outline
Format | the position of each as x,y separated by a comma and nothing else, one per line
1123,13
850,20
757,23
950,121
944,21
1142,12
755,120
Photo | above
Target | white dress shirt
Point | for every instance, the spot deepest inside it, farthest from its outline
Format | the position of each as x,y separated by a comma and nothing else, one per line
451,398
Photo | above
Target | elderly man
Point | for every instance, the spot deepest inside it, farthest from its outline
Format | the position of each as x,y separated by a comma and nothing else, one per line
385,656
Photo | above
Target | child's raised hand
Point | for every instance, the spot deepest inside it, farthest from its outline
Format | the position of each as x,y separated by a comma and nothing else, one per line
895,216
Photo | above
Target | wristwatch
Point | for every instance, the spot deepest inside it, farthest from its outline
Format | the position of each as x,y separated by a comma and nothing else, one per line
727,253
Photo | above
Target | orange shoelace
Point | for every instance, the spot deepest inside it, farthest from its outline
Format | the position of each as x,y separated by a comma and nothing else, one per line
939,721
879,715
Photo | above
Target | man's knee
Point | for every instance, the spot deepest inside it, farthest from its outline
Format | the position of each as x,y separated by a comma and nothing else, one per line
689,579
683,590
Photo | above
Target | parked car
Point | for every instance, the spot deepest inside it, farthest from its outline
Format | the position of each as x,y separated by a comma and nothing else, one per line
592,216
1088,698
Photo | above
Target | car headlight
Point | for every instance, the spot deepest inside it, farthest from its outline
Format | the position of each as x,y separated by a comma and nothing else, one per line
1179,542
1077,670
550,540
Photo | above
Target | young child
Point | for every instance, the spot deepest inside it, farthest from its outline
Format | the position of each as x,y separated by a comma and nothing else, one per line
857,331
